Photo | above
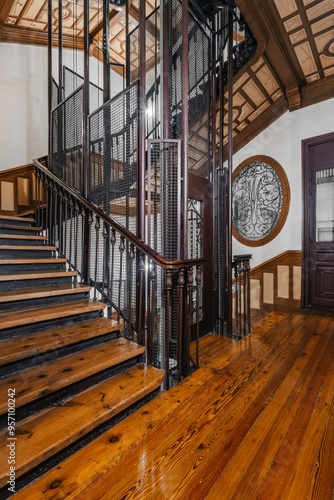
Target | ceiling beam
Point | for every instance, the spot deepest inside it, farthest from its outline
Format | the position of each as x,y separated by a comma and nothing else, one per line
5,8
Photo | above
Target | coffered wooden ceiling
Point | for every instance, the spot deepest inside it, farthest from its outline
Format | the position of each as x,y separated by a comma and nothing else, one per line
293,66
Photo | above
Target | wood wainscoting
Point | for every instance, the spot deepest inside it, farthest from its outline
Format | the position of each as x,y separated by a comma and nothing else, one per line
17,190
276,283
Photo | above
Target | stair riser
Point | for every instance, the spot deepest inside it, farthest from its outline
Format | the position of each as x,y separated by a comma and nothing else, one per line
25,254
12,285
23,232
55,354
21,242
21,222
17,331
12,268
43,301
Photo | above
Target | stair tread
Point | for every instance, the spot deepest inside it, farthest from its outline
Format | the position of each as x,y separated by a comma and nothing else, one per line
48,432
37,343
25,247
36,314
19,228
28,275
37,381
41,291
32,261
22,237
13,217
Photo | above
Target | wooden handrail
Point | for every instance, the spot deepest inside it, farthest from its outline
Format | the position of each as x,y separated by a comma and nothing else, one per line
145,249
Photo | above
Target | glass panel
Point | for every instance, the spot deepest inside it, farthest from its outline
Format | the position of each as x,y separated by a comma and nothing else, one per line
325,205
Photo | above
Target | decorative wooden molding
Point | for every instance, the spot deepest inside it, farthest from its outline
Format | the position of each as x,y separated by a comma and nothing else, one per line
285,203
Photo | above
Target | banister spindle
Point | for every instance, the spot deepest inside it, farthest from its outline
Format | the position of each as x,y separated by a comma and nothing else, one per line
168,288
236,299
190,281
51,206
83,227
77,212
121,251
60,223
131,259
180,287
55,205
113,242
43,202
248,295
47,227
89,238
240,298
141,269
97,231
65,222
71,232
153,277
198,287
37,193
104,235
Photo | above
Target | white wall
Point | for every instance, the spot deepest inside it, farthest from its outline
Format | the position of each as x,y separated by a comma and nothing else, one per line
24,99
23,104
282,141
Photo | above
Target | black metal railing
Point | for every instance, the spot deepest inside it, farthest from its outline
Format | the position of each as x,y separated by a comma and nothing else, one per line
241,269
122,271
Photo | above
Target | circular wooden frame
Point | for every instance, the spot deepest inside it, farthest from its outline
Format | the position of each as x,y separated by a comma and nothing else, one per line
285,202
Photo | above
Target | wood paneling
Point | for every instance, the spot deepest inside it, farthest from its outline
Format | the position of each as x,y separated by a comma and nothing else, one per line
17,190
278,281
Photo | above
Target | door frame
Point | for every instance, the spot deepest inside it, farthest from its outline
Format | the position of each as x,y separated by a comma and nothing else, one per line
307,215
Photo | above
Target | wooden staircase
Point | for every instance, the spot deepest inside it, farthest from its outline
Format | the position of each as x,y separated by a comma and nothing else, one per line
66,367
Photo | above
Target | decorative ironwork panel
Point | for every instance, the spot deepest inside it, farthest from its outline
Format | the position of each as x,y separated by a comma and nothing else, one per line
258,199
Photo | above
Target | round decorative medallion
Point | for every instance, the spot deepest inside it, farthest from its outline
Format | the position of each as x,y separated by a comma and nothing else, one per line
260,200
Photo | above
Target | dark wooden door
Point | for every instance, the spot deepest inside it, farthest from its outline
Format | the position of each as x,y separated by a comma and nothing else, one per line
200,244
318,251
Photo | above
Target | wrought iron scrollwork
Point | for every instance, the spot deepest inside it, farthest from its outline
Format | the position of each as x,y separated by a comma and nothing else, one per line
257,200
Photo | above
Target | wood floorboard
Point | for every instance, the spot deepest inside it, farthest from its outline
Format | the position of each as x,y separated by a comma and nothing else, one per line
256,421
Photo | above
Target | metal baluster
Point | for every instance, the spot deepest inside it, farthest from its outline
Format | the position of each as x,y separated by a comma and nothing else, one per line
190,281
65,222
121,249
236,301
55,202
131,258
71,232
245,295
38,201
112,241
43,201
36,185
148,316
153,277
47,209
180,287
77,212
83,219
248,295
168,288
97,229
61,219
89,223
141,268
50,212
240,301
198,288
105,235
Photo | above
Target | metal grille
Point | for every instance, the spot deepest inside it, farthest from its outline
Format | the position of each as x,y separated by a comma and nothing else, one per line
198,84
67,140
113,146
153,119
73,80
199,99
164,225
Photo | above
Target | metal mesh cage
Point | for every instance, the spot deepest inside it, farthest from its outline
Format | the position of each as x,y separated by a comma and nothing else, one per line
67,140
73,80
113,145
54,93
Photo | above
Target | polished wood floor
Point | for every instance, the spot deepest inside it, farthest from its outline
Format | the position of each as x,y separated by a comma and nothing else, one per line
255,421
